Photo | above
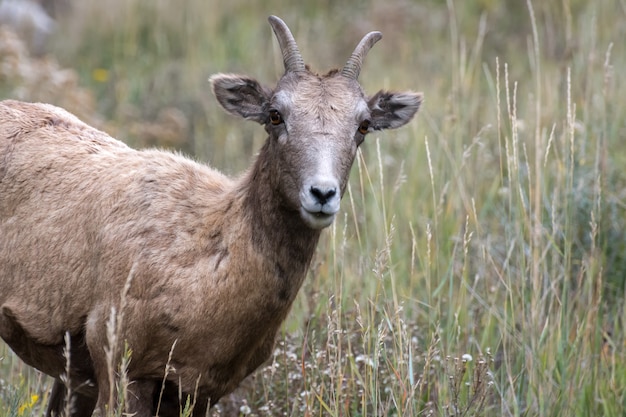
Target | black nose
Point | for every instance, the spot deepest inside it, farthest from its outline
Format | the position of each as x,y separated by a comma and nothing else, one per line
323,194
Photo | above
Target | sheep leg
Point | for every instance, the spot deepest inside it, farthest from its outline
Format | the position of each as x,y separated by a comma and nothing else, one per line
80,405
171,401
139,397
95,339
45,357
139,392
201,407
51,360
167,402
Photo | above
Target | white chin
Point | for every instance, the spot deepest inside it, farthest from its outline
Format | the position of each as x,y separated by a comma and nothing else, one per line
317,220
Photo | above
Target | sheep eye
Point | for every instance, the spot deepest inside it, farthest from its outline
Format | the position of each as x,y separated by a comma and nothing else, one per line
364,127
275,117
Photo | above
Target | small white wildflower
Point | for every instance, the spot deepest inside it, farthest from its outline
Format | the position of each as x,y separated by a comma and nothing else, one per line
364,359
245,410
467,357
579,126
503,191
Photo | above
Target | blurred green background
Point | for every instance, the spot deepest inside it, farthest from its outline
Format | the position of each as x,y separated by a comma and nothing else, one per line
148,61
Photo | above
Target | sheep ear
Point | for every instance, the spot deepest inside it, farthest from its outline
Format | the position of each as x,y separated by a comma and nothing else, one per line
241,96
392,110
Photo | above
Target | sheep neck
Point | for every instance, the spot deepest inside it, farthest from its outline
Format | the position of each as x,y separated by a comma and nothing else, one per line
278,232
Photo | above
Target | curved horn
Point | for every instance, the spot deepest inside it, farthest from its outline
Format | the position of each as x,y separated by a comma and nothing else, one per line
291,55
353,66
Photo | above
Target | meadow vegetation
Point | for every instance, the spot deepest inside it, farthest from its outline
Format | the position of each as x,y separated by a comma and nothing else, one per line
479,265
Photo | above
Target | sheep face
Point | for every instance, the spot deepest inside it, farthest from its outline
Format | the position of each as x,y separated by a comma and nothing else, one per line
315,125
314,132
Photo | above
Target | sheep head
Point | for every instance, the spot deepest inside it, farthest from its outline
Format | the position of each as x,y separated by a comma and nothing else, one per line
315,123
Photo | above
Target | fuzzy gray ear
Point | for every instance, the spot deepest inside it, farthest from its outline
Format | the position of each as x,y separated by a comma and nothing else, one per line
241,96
392,110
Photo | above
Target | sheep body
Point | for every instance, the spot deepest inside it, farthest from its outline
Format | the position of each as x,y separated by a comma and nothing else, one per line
160,214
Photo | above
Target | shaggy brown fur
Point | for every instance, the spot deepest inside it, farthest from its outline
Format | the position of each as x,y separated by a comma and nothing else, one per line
211,264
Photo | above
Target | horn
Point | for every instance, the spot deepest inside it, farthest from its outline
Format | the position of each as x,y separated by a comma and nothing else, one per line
353,66
291,55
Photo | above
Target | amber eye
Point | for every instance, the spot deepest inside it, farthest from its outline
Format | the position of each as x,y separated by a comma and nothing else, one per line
364,127
275,117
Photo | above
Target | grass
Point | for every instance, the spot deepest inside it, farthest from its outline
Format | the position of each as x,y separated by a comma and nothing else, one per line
479,266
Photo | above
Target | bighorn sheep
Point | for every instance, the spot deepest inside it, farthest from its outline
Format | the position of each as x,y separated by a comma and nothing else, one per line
209,265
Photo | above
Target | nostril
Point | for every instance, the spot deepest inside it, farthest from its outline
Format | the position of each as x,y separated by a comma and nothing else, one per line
323,194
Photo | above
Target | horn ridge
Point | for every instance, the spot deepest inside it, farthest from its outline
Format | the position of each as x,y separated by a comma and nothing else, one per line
352,68
291,54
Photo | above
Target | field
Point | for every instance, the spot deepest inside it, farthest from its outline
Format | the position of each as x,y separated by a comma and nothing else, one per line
478,266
